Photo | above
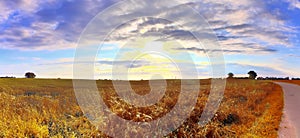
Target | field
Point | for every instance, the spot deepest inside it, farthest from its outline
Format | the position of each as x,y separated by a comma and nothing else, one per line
290,81
48,108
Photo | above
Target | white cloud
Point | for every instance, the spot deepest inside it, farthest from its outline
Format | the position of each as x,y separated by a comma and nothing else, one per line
44,25
294,3
260,25
57,27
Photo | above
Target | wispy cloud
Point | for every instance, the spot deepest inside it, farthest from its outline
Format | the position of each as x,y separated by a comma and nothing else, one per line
248,23
242,69
252,49
45,25
52,25
294,3
241,27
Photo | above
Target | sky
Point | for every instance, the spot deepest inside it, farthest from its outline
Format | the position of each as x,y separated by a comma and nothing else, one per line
139,39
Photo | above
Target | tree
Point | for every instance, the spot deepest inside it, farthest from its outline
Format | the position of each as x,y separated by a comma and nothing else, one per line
230,75
252,74
29,75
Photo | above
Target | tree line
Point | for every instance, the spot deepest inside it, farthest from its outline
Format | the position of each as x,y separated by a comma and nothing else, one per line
252,75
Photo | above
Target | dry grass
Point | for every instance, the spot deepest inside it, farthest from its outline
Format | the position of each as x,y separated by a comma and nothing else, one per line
48,108
290,81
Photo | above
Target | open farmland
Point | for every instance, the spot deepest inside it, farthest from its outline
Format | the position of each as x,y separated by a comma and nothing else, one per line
290,81
48,108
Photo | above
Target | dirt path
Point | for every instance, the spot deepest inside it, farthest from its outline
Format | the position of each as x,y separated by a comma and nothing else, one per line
290,124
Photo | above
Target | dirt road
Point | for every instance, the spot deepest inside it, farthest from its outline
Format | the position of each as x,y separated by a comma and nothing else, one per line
290,124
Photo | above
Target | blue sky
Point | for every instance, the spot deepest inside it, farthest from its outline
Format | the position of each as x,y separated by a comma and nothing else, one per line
42,36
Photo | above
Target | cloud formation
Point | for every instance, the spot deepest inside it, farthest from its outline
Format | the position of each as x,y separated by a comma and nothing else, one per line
52,24
45,25
252,49
294,3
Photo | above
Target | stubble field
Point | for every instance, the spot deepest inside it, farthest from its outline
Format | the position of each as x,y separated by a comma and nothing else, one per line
48,108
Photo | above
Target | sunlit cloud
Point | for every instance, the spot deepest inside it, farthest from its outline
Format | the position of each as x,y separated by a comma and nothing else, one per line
249,28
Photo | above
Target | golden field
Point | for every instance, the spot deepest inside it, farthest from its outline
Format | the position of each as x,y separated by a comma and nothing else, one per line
48,108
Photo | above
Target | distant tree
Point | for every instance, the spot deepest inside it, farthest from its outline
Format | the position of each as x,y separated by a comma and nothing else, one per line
287,78
8,77
261,78
230,75
30,75
252,74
